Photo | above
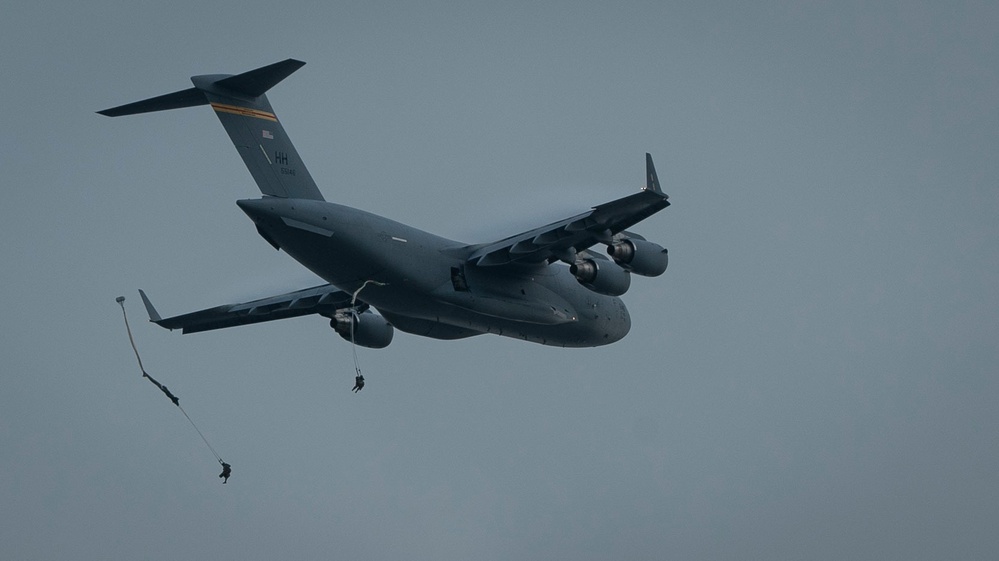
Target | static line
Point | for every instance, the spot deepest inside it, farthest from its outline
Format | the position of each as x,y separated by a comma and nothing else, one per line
121,301
355,317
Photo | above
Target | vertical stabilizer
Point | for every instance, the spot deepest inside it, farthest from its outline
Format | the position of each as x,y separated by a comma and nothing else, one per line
241,105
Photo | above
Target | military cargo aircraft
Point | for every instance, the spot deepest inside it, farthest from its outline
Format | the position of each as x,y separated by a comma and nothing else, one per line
545,285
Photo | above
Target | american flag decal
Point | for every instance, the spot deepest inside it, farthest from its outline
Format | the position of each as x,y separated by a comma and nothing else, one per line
268,134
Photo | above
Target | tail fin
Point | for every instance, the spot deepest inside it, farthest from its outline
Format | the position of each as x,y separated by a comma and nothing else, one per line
244,111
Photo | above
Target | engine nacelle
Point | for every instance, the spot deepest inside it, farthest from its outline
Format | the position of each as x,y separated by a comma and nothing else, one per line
601,276
639,256
370,330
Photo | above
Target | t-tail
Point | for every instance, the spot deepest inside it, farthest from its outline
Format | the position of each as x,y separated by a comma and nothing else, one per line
244,111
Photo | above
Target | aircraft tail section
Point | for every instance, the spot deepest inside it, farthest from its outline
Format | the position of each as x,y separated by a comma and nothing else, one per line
241,105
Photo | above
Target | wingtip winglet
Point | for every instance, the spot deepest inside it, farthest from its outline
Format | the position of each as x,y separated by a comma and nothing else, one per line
651,178
154,316
190,97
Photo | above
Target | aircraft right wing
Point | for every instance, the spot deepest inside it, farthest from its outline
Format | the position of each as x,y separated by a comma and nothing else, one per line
562,240
324,300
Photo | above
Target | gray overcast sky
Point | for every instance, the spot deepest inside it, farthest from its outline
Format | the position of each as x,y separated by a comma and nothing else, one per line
813,378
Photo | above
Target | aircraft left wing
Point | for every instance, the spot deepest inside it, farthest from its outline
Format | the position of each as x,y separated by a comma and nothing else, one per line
560,241
323,300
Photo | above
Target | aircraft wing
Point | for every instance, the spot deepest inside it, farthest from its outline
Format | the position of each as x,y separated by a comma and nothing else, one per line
563,239
323,300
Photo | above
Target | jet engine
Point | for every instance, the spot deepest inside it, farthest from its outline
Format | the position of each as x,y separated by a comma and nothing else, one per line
370,330
601,276
639,256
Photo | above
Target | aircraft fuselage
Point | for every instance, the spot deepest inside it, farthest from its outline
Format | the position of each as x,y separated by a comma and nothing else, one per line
427,287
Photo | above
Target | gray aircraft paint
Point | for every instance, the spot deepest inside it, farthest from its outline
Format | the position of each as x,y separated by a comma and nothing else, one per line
519,286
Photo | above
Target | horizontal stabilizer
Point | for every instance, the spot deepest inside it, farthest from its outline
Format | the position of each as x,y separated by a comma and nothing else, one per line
190,97
252,84
256,82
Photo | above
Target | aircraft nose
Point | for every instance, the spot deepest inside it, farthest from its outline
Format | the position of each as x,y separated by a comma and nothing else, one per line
620,325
